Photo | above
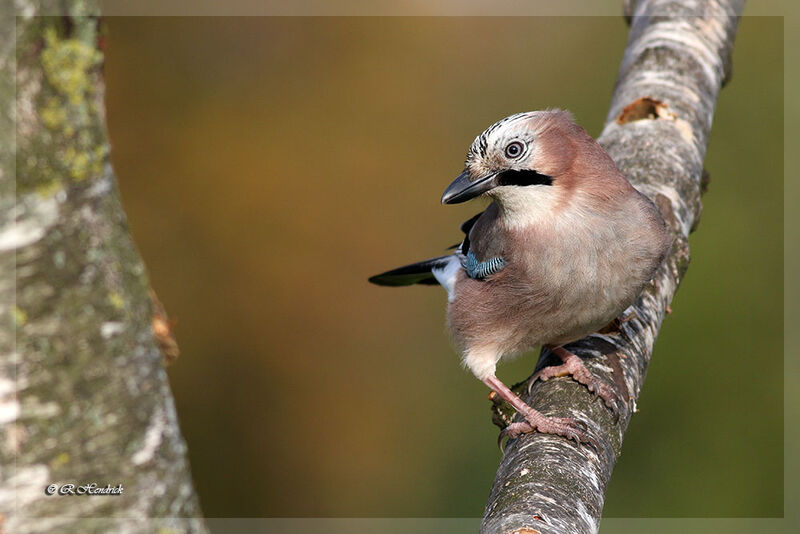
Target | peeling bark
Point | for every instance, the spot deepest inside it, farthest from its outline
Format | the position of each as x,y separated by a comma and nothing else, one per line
676,60
84,396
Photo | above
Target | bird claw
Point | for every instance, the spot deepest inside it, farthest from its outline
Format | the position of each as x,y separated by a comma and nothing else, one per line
575,368
606,393
557,426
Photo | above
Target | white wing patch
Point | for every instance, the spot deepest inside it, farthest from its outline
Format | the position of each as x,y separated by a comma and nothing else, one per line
446,275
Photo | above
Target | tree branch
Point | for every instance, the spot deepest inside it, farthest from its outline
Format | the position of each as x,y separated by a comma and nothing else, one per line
676,60
84,396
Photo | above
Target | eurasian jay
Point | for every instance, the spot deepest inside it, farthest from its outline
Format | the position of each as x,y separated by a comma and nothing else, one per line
564,247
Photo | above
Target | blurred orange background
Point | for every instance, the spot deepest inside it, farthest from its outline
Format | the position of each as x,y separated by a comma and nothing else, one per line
270,165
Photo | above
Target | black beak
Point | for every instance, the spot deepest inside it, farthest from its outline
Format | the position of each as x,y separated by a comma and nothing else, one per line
463,189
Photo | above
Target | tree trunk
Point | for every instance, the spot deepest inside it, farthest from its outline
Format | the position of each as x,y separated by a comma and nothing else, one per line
84,397
676,60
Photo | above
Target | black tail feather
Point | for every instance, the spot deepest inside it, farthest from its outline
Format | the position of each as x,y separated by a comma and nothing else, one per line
416,273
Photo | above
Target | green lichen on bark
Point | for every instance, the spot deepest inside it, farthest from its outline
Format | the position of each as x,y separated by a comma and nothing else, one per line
68,108
92,400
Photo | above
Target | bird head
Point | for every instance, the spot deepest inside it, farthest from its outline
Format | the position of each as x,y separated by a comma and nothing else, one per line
517,160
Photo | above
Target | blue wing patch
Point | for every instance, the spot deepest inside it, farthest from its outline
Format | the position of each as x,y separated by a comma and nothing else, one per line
481,269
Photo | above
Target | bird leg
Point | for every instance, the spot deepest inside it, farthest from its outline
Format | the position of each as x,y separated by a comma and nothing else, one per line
573,366
535,421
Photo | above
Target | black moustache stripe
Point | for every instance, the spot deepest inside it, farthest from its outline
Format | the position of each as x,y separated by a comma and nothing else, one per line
522,178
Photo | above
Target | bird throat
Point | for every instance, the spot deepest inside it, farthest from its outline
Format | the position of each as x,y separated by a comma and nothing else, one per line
521,207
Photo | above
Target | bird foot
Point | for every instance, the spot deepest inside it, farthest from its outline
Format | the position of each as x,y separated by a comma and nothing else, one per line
557,426
536,421
573,366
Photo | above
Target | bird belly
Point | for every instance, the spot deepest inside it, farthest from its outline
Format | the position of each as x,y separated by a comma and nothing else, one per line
555,291
595,294
497,315
579,317
511,313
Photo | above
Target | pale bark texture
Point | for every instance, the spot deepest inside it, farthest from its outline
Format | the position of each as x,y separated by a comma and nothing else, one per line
676,60
84,396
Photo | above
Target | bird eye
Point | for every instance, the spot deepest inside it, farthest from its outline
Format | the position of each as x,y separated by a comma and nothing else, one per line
514,149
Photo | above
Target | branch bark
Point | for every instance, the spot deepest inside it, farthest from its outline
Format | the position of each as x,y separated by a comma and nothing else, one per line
84,396
676,60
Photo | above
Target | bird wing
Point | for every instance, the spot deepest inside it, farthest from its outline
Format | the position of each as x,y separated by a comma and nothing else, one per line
474,268
416,273
466,227
441,270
